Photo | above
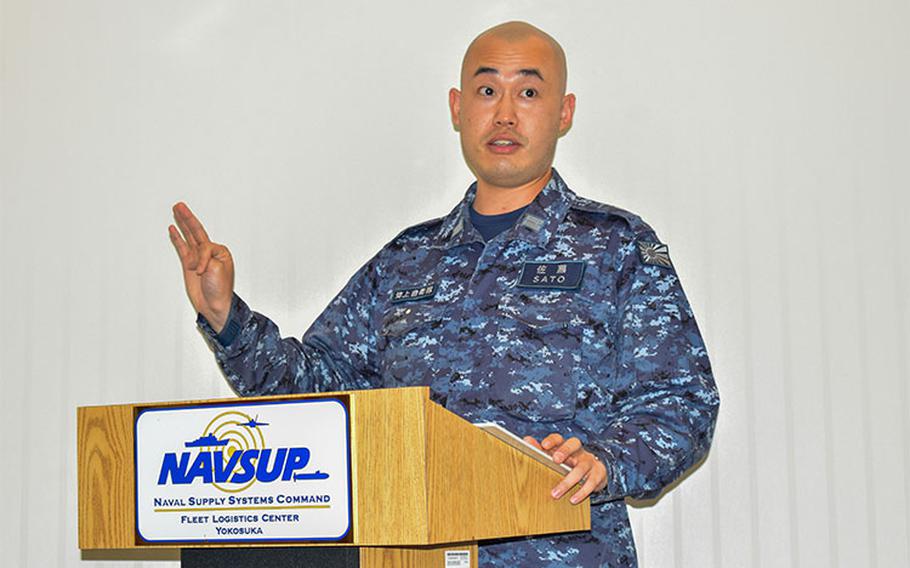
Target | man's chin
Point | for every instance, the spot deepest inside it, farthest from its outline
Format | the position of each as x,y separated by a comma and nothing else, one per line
507,177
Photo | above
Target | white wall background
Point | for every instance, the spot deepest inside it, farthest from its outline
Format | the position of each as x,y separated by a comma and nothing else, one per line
768,143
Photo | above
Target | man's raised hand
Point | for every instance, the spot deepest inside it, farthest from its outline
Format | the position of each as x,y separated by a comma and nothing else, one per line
208,269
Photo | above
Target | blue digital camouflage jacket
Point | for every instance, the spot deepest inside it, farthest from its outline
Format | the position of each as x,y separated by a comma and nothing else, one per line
572,321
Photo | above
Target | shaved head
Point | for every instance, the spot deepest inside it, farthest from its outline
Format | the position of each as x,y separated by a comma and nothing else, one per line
511,109
514,33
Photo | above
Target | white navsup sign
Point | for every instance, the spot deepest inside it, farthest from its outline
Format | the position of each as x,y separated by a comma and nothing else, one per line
276,470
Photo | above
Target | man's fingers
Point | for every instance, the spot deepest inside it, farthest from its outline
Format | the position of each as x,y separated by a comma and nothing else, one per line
586,471
571,479
195,227
551,441
184,227
221,253
565,450
177,241
589,486
205,254
183,251
533,442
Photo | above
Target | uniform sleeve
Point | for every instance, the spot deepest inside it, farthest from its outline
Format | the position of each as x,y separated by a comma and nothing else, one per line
666,401
338,352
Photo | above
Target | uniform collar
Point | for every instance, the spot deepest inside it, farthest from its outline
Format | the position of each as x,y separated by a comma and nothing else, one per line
537,224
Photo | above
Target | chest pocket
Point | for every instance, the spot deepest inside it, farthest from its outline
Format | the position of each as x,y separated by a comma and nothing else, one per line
410,337
539,343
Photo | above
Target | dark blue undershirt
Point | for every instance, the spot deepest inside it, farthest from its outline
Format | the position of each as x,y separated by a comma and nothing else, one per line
491,225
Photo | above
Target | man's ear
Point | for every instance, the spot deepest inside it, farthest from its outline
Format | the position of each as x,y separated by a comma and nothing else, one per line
455,107
566,113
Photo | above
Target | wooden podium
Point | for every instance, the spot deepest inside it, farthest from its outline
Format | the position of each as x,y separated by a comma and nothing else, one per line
423,481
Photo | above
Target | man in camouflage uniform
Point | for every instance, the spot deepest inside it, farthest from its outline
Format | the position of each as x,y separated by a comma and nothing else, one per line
569,326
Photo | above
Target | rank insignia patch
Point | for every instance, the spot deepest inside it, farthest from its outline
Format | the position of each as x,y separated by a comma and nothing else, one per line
657,254
414,293
561,275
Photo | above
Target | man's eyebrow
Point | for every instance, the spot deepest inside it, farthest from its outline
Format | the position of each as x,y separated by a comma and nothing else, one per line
531,72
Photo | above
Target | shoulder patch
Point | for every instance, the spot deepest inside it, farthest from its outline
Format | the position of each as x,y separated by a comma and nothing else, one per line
657,254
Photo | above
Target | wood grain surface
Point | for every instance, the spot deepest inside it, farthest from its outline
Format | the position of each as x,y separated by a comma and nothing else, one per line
481,488
389,427
105,468
421,476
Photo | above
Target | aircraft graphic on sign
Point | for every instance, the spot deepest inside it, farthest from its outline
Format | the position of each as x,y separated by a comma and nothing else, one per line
253,423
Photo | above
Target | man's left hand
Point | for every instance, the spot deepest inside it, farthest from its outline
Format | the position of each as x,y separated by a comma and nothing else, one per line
586,468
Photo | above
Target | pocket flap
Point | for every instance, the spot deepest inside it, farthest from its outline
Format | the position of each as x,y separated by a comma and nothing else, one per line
542,318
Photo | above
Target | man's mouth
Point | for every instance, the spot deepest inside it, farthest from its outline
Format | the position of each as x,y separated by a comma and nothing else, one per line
503,145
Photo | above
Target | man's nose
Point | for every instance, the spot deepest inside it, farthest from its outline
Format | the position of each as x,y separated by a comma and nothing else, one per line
505,113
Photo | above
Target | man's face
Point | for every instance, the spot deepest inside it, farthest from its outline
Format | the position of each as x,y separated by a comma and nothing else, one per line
511,109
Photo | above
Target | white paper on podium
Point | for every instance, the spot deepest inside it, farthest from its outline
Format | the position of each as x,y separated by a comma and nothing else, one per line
519,444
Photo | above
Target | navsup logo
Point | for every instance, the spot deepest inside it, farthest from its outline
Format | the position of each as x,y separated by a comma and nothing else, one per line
231,455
